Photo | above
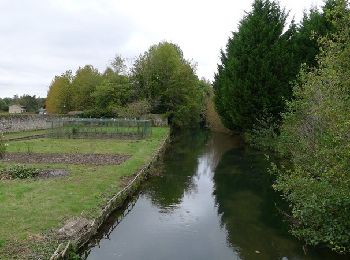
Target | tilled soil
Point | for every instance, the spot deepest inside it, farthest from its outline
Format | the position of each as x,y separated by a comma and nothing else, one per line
52,173
75,158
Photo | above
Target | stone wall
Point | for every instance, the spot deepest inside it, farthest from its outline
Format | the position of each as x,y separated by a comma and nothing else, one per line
25,122
15,123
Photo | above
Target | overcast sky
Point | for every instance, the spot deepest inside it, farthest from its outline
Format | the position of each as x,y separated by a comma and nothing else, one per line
44,38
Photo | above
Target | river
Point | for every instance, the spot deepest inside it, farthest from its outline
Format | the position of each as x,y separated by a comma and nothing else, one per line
212,200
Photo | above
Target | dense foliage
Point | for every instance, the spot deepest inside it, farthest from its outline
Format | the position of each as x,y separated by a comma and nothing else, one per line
252,80
315,23
161,81
59,96
90,91
168,81
260,61
315,137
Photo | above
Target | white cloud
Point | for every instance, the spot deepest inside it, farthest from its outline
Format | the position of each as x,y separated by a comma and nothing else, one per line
41,39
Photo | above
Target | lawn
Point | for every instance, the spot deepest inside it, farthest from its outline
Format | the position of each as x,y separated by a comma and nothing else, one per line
13,135
30,208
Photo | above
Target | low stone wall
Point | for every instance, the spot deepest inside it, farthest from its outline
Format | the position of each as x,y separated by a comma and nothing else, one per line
88,228
16,123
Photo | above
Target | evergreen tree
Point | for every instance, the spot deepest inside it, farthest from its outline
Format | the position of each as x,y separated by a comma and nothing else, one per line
252,81
316,23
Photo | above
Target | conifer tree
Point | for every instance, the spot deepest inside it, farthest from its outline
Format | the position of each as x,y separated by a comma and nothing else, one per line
252,81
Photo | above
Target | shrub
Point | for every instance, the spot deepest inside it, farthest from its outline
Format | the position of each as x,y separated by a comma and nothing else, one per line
315,137
20,172
135,109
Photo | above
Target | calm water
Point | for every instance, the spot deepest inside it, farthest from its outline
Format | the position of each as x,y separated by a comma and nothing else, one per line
212,201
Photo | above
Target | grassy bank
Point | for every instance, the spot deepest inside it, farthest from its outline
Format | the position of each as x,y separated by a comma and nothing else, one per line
30,209
13,135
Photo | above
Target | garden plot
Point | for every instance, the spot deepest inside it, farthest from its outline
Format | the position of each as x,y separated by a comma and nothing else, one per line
76,177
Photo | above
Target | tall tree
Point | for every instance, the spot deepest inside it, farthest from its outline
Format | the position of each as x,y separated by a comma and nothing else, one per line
315,23
59,96
114,90
118,65
168,81
252,81
83,85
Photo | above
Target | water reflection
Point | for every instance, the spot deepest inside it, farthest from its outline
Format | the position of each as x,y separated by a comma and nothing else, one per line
213,201
178,167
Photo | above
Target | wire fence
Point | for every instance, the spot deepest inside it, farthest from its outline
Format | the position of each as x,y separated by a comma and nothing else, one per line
99,128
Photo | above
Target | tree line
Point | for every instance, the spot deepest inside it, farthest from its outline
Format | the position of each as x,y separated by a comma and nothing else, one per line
32,103
287,89
160,81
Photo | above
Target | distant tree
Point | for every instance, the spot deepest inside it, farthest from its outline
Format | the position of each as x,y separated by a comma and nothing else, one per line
253,78
115,87
118,65
84,84
30,102
59,96
168,81
41,102
4,104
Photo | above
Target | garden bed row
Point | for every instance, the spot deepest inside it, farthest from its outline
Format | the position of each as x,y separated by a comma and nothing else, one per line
92,159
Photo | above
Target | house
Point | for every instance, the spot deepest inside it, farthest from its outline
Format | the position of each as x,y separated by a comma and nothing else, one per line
16,109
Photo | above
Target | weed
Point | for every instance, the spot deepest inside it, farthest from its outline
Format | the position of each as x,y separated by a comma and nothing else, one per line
3,146
20,172
29,148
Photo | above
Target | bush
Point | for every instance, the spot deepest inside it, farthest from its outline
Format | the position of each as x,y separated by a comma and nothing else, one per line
134,110
98,113
20,172
263,135
315,137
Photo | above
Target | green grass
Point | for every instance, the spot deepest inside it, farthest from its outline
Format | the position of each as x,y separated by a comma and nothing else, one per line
12,135
67,132
34,207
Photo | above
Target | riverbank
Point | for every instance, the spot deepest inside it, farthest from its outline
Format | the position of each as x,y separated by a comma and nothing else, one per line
33,212
212,200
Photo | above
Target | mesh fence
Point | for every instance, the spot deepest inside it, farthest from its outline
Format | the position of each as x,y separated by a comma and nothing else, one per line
98,128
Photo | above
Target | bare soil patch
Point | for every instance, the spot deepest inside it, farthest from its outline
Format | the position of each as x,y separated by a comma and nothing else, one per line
75,158
52,173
